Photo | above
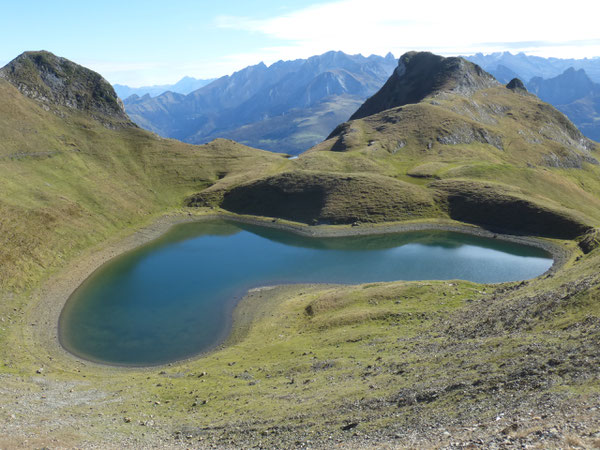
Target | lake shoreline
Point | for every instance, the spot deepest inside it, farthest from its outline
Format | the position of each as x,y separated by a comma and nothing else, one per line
54,293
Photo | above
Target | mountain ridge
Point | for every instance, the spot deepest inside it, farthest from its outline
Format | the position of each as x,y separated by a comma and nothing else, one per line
184,86
576,95
243,103
57,82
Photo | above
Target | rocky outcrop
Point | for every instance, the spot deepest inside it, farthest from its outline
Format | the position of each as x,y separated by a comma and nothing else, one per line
420,74
516,85
57,82
590,241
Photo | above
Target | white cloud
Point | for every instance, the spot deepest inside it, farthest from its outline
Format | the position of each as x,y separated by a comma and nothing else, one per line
447,27
458,27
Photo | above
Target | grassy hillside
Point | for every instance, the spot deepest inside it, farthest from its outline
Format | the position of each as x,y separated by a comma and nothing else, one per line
421,364
489,144
69,182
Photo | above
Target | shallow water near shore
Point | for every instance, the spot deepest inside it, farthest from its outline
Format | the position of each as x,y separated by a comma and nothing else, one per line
172,298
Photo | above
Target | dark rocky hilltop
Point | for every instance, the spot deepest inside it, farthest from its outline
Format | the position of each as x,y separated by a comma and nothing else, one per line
54,81
420,74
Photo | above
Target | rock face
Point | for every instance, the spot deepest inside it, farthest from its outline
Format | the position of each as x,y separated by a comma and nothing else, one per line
516,85
55,81
590,241
420,74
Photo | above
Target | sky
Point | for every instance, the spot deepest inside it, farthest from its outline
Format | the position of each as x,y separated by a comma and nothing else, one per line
158,42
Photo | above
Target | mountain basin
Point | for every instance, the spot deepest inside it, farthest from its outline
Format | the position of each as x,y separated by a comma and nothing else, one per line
173,297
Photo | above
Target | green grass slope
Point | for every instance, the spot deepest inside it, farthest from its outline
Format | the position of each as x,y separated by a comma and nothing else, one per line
409,364
69,182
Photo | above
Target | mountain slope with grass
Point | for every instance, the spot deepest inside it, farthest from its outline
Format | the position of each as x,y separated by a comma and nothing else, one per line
73,165
411,364
479,151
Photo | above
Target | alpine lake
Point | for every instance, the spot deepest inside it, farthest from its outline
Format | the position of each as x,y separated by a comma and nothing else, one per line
173,297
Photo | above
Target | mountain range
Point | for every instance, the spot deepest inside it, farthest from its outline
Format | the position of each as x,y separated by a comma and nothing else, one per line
286,107
292,105
576,95
183,86
525,67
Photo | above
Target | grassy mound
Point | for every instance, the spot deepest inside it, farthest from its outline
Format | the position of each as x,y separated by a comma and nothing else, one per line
322,197
501,207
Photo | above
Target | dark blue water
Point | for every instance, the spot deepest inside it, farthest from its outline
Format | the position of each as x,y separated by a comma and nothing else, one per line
173,298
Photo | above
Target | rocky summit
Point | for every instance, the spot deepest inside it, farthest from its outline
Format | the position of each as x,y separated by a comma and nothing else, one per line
515,84
57,82
421,74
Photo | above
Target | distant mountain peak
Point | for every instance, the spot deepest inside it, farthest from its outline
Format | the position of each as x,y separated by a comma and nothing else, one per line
55,81
286,107
420,74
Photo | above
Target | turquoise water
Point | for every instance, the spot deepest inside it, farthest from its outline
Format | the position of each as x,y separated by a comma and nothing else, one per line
173,297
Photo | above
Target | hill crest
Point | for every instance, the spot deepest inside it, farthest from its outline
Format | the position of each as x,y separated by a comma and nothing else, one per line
54,81
421,74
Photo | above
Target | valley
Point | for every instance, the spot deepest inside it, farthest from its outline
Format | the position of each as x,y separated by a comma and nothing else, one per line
423,363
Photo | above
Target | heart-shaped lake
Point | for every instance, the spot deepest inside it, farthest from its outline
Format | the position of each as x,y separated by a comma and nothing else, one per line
173,298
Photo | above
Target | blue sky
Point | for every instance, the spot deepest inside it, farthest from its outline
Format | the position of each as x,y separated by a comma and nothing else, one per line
156,42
